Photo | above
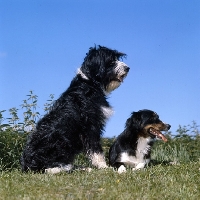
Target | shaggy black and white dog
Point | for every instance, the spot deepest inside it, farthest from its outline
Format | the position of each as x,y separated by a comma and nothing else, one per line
133,146
76,120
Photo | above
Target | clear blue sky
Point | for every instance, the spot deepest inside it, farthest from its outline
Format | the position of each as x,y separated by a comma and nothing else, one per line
42,43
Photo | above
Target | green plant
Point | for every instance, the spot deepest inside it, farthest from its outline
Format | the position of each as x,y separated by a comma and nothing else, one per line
182,147
11,145
14,120
47,106
30,114
2,125
174,153
188,131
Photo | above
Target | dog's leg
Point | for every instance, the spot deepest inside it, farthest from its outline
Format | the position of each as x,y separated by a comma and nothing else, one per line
98,160
121,169
139,166
56,170
85,169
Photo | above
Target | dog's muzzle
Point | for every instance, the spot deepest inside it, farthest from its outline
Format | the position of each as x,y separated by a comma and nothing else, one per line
157,133
121,70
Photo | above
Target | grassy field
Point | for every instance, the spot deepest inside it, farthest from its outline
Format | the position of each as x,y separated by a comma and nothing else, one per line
173,174
155,182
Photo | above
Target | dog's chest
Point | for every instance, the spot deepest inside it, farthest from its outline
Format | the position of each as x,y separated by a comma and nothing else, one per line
107,112
143,149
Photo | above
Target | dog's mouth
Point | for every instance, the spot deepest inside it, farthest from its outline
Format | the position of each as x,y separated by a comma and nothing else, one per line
156,133
120,78
121,70
117,77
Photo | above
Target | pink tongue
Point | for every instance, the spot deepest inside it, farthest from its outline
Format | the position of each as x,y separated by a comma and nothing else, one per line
158,134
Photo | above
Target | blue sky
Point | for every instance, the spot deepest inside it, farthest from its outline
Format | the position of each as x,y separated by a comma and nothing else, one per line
42,43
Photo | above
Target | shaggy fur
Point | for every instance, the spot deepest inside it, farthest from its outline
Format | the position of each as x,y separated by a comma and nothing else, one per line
77,119
133,146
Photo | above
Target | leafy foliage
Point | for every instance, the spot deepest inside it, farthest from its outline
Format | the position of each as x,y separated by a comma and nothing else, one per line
11,145
181,148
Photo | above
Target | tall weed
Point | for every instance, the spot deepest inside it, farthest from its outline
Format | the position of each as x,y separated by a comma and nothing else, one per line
174,153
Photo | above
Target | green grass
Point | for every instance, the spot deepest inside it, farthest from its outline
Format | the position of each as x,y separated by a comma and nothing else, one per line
158,181
155,182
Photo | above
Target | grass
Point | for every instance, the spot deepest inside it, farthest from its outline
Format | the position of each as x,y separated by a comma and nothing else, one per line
158,181
161,180
155,182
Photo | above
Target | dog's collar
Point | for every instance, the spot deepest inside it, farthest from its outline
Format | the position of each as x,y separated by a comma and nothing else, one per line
79,71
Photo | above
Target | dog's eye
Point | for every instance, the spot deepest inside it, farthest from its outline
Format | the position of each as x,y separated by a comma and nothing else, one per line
111,62
153,118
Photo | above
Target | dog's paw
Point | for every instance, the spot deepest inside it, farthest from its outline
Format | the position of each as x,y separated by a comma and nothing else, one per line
98,160
139,166
54,170
102,165
121,169
174,163
86,169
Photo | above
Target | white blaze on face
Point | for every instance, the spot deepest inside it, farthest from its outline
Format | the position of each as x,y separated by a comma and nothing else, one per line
120,68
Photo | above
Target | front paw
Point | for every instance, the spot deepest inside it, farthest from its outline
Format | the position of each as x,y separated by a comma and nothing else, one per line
121,169
98,160
102,165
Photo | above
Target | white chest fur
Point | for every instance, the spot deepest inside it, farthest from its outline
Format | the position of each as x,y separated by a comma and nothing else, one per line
138,161
107,111
143,146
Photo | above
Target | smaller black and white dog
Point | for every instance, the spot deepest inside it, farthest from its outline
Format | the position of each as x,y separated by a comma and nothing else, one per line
133,146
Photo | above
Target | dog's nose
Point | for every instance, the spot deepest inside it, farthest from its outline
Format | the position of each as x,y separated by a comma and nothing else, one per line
127,69
168,126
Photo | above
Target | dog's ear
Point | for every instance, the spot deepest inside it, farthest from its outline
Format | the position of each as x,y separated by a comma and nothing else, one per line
93,66
134,121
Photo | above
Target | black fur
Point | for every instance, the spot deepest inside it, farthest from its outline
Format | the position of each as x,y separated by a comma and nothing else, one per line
75,121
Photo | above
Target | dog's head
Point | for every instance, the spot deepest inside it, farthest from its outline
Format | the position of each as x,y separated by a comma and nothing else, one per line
103,66
147,123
